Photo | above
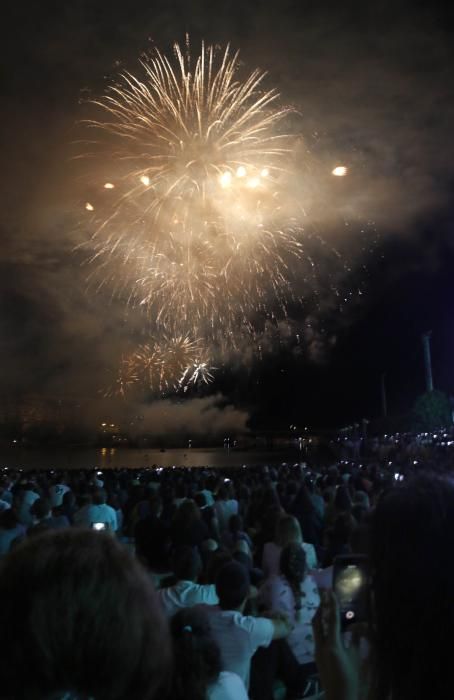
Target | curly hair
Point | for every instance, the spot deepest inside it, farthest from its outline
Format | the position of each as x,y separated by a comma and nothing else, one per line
80,614
294,569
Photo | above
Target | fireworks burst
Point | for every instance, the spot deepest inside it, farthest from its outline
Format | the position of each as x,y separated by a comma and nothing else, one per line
163,366
193,222
196,216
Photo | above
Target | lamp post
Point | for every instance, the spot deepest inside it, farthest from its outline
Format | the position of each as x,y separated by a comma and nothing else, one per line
427,361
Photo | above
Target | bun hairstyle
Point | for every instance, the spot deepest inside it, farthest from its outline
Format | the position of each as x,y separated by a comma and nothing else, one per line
294,568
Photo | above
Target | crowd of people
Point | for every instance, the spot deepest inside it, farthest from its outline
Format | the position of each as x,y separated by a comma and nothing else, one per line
217,584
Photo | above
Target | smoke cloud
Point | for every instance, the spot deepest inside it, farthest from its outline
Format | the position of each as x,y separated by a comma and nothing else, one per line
209,416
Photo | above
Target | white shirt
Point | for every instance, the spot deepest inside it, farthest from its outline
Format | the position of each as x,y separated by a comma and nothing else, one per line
276,594
89,514
271,558
224,510
228,686
323,577
186,594
208,497
8,496
56,493
7,537
238,638
28,499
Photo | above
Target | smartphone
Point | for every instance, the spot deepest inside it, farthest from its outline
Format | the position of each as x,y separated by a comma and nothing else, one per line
99,526
351,584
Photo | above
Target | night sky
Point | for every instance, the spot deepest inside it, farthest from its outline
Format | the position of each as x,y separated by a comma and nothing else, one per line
373,84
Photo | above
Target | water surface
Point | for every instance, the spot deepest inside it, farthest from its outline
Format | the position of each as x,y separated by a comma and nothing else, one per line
130,458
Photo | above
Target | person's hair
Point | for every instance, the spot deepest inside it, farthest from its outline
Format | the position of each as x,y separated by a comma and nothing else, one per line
293,568
80,615
291,488
268,520
302,502
235,524
411,545
200,500
309,485
269,497
359,512
214,564
186,563
69,499
99,497
242,557
155,504
9,519
188,512
287,530
197,656
40,508
232,585
222,494
362,499
342,499
181,490
329,495
343,528
209,545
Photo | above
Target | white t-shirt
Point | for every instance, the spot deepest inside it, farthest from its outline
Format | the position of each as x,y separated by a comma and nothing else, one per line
7,537
102,513
56,493
277,595
271,558
186,594
208,497
224,510
28,499
228,686
238,638
323,577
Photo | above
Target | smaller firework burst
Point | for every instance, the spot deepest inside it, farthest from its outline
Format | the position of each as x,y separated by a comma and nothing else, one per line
163,366
125,380
199,373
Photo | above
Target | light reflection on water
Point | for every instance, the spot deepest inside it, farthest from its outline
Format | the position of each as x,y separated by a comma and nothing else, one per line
116,458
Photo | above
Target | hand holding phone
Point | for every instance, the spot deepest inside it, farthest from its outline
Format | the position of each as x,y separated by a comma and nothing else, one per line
351,585
339,668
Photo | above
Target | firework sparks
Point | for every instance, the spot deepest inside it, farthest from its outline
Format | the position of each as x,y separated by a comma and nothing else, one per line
163,365
125,380
198,228
339,171
196,215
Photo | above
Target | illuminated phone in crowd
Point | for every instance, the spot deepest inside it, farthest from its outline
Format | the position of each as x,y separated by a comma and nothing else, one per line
351,585
99,526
